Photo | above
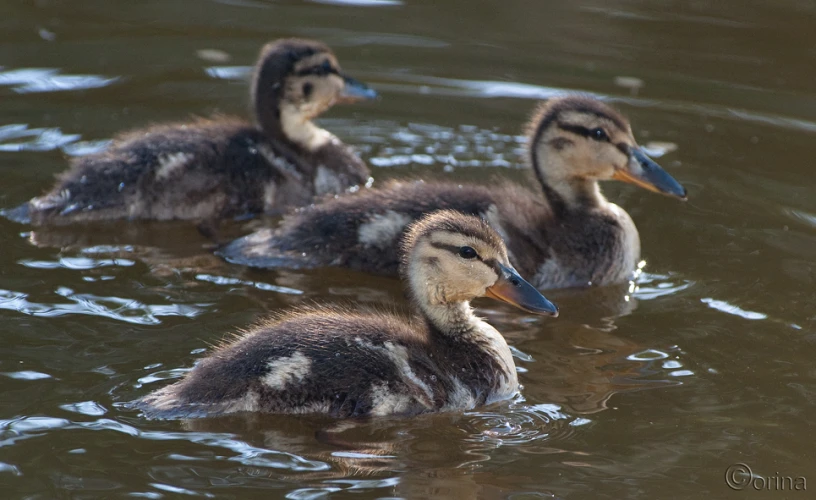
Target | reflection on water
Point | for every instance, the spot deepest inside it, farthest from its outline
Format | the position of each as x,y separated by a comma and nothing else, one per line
645,390
118,308
41,139
581,368
361,3
430,145
430,85
648,286
30,80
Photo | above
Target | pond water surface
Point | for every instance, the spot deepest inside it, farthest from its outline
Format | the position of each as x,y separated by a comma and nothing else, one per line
649,390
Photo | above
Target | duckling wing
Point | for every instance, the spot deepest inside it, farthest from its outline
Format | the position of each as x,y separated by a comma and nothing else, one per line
201,170
337,168
361,231
321,361
266,250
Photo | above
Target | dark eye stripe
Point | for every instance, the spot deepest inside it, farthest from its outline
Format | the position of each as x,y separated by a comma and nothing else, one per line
595,133
322,69
575,129
449,248
453,249
492,263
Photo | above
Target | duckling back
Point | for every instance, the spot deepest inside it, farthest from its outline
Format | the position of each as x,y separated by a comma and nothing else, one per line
361,231
202,170
339,363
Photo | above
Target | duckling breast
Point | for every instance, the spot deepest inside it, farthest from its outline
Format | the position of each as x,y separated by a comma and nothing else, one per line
337,168
590,249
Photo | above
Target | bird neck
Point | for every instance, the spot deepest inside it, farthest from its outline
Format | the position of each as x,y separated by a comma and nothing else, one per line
454,325
456,319
433,303
464,334
301,130
267,109
566,193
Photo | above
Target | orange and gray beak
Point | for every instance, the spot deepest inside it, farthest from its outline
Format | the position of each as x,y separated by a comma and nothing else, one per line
355,90
511,288
644,172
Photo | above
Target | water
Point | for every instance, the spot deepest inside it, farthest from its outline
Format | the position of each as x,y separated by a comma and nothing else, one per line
645,391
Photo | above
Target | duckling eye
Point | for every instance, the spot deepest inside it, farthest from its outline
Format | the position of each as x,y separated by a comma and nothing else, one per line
598,134
467,253
326,68
307,89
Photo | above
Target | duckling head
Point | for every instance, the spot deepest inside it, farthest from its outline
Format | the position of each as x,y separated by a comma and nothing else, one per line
575,141
450,258
296,80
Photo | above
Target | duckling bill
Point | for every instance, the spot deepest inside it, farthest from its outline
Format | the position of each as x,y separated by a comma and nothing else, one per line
347,363
221,167
562,233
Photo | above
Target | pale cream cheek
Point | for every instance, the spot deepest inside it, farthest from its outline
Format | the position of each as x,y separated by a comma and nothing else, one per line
604,165
472,283
319,99
583,163
462,295
326,91
322,101
607,170
335,85
322,96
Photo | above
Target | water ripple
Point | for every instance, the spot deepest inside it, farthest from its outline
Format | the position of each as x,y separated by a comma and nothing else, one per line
492,89
16,137
120,309
648,286
31,80
12,430
522,424
450,148
13,469
36,139
162,375
360,3
237,73
723,306
246,453
89,408
653,357
180,491
223,280
26,375
75,263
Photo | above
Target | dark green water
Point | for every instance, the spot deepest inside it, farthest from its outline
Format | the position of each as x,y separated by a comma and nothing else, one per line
651,392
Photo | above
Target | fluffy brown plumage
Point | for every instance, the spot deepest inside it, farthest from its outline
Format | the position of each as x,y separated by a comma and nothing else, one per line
221,167
565,234
355,363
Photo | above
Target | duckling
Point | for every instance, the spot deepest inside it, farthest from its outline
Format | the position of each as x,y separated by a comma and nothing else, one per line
564,234
222,167
346,363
